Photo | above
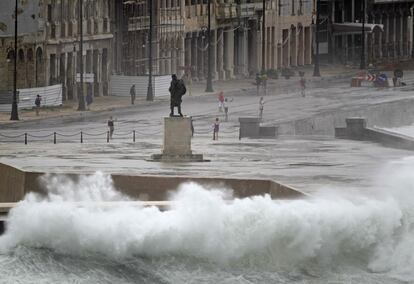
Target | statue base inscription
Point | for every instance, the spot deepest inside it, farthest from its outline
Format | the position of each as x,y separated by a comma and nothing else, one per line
177,142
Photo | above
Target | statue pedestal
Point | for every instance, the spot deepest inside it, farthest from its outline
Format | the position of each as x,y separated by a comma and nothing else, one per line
177,142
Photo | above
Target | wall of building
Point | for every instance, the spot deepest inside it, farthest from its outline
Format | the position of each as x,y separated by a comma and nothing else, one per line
392,44
181,38
49,53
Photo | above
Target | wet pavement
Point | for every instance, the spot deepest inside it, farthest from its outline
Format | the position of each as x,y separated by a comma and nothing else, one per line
309,163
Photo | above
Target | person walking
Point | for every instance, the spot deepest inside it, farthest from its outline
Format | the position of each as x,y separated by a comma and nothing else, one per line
226,108
111,127
258,83
38,102
133,94
89,100
216,128
220,101
261,107
264,83
192,126
302,83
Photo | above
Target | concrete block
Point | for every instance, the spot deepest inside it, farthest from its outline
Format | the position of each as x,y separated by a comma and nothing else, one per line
249,127
268,132
356,127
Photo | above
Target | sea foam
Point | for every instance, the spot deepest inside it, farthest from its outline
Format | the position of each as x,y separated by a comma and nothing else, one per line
375,230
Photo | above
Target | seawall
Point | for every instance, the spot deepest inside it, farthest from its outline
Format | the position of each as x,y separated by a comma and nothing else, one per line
384,114
16,183
356,129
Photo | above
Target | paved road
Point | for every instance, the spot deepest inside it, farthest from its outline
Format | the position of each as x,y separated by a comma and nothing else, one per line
309,163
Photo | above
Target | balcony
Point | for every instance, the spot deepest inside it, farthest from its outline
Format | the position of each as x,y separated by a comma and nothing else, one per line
226,11
106,25
138,23
247,10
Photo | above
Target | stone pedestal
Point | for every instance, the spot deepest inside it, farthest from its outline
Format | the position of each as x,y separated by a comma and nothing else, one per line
177,141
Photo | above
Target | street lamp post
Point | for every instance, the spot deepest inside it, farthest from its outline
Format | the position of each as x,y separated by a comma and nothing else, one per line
264,37
209,87
362,65
316,71
14,113
150,93
81,98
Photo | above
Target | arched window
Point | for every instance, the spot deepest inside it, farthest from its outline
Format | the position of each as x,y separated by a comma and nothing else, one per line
39,55
21,55
39,72
30,55
10,56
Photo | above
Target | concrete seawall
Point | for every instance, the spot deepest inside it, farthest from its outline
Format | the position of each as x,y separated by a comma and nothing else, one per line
15,184
385,114
356,129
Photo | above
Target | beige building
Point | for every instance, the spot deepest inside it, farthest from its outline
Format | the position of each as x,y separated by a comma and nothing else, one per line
388,30
48,48
180,36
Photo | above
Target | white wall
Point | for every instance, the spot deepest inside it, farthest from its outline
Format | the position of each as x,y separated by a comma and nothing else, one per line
120,85
51,96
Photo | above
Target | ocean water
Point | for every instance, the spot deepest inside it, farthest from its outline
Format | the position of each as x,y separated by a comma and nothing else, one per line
327,238
405,130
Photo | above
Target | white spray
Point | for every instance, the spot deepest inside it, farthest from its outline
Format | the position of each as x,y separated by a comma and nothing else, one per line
375,230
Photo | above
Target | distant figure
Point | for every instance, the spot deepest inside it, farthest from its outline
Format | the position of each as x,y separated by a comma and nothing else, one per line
111,126
220,101
133,94
216,128
261,107
226,108
89,100
177,90
258,82
302,83
264,83
38,102
192,127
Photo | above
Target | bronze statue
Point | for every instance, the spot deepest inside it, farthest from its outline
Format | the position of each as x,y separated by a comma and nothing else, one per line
177,90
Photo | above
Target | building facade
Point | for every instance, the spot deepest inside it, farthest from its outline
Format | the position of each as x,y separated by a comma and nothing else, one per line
388,28
180,43
48,44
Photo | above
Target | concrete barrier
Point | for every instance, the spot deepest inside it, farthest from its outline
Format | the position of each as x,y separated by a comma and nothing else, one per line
385,114
356,129
250,128
15,184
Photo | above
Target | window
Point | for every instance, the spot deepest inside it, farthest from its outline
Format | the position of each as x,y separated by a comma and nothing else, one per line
49,13
10,56
21,55
30,55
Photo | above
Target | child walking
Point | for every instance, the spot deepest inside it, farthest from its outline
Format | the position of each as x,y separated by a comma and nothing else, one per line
216,127
221,101
261,107
111,127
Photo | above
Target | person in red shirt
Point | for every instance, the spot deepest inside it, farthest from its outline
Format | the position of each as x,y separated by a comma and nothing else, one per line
221,101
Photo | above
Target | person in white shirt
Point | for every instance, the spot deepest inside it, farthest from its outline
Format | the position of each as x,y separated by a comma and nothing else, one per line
261,107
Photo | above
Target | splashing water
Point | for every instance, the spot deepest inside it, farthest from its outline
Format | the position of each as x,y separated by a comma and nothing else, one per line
206,238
